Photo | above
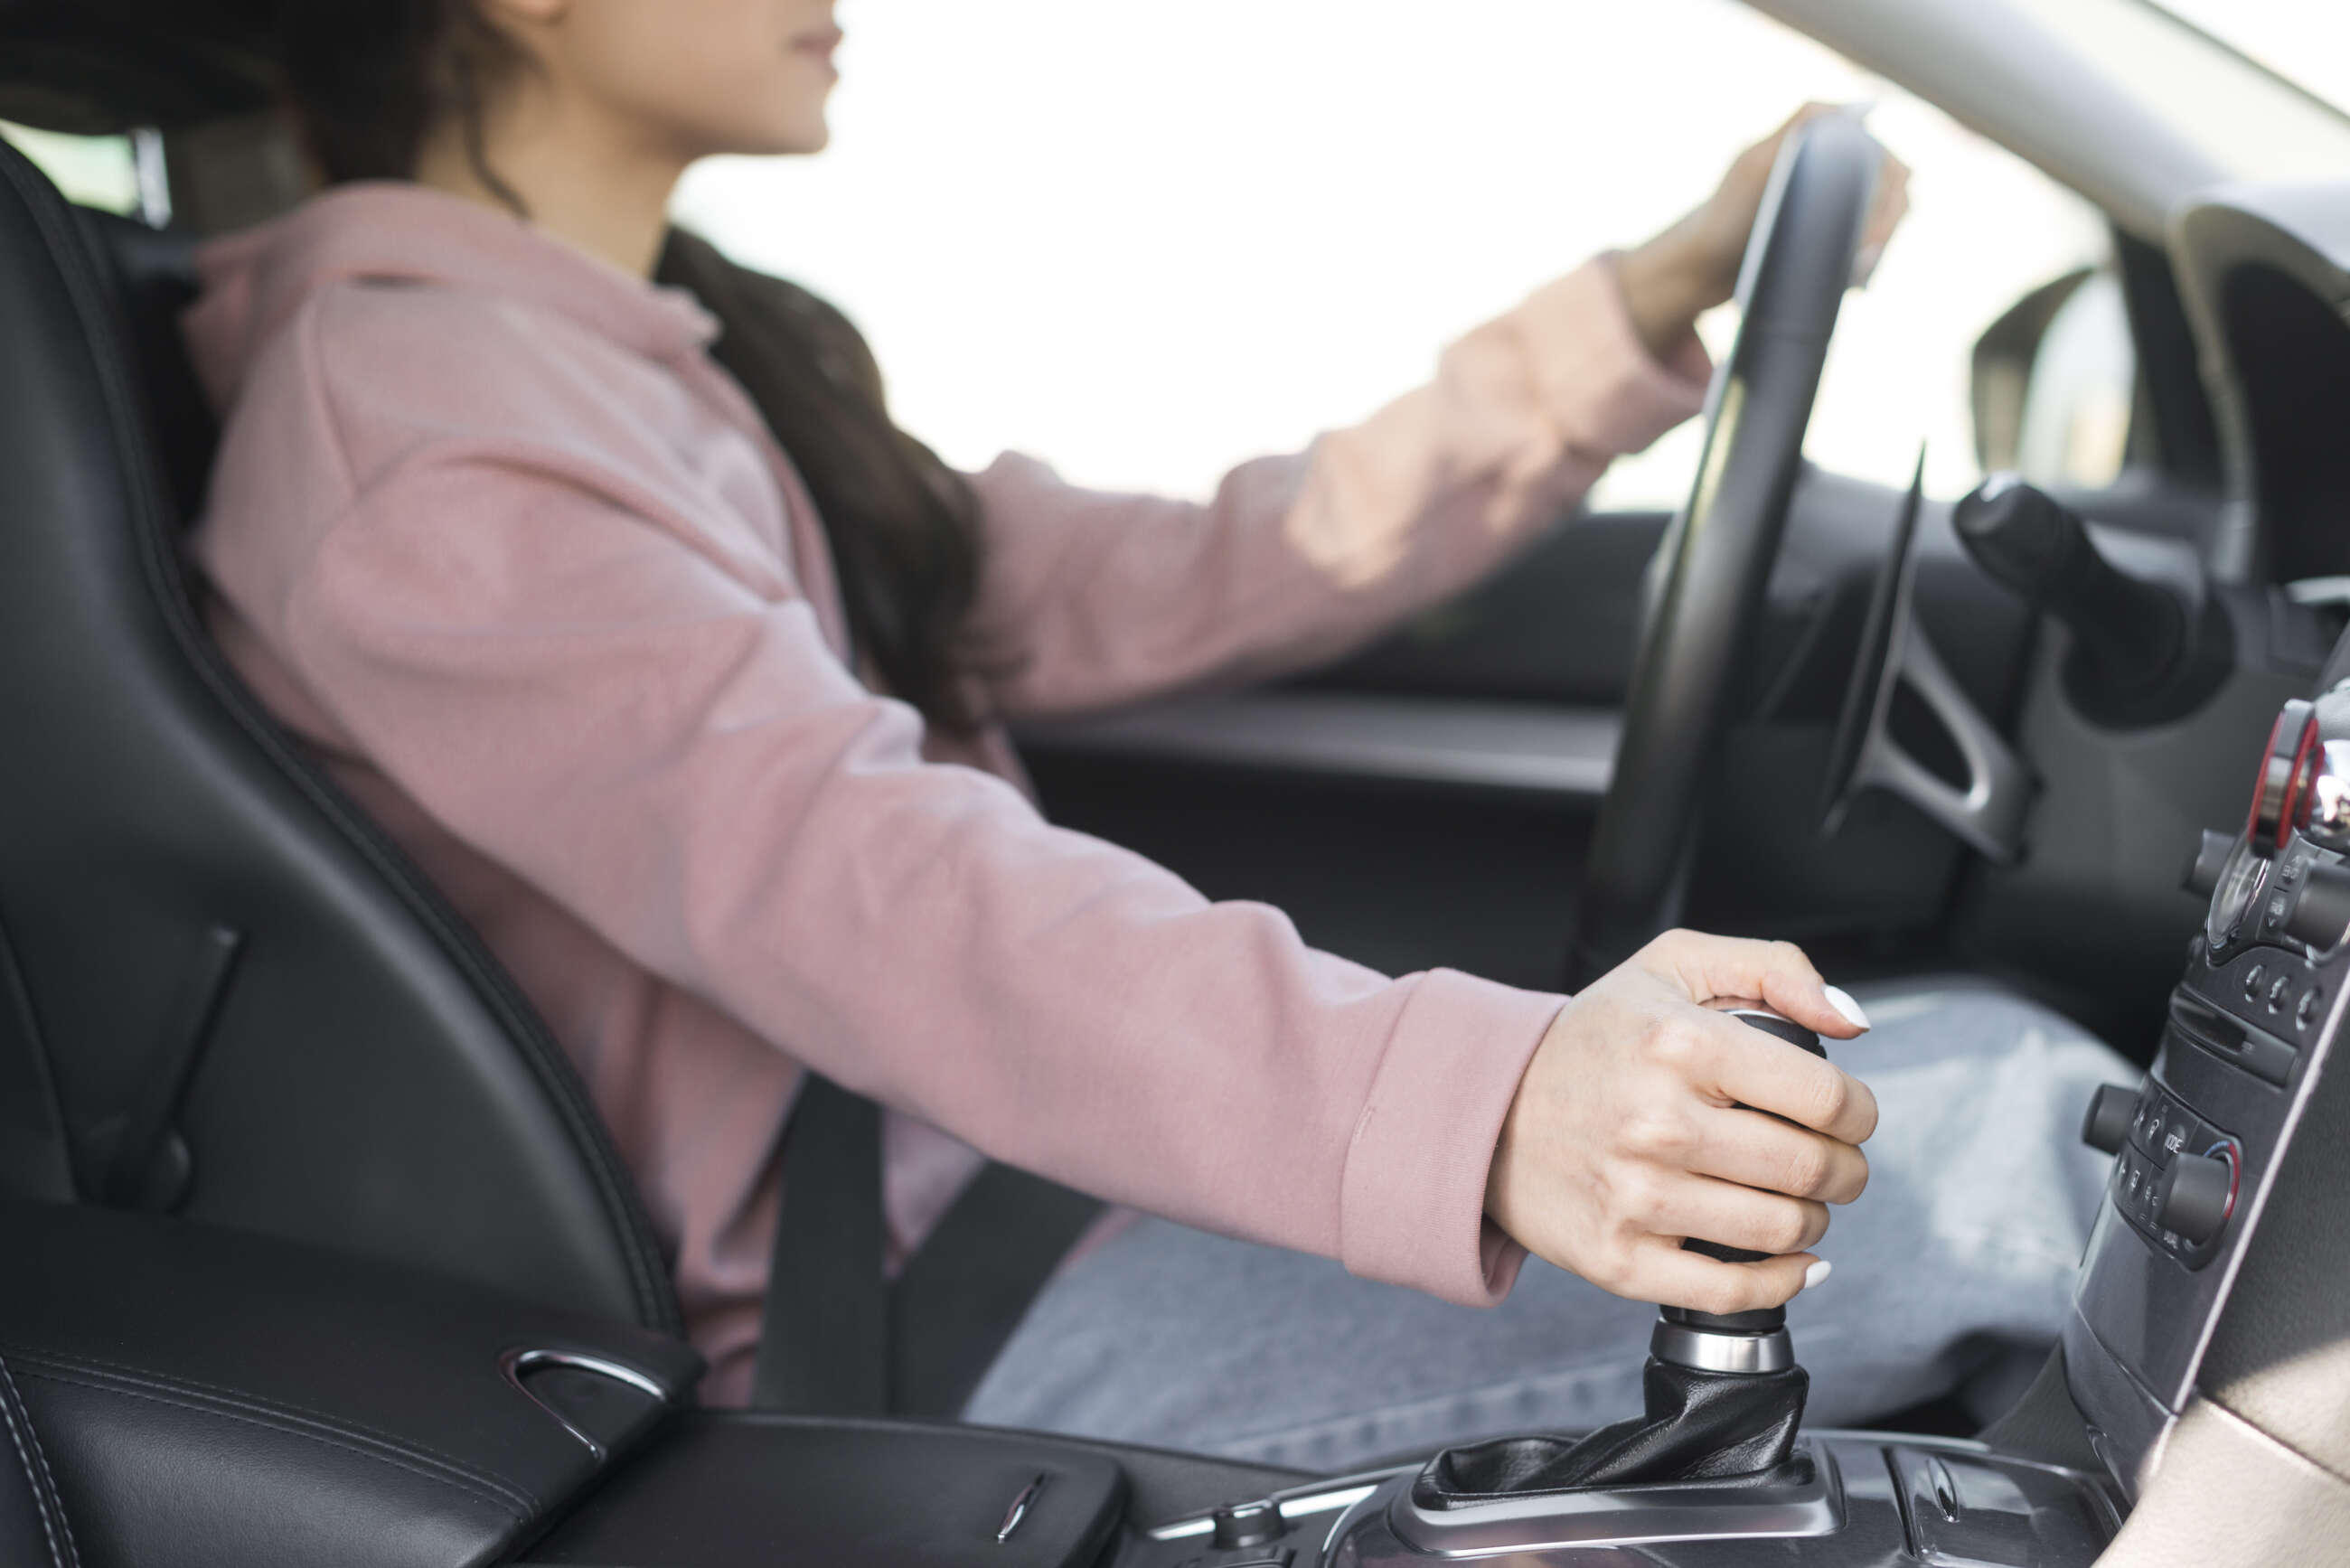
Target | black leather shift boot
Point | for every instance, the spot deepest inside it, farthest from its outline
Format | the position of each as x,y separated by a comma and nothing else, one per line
1699,1425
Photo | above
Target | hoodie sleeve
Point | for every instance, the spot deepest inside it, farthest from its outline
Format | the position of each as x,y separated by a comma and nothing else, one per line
542,660
1091,600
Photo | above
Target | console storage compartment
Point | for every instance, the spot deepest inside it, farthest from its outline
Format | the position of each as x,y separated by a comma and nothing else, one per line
211,1398
748,1489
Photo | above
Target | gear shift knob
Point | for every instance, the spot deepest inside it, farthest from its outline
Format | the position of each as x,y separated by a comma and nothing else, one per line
1745,1342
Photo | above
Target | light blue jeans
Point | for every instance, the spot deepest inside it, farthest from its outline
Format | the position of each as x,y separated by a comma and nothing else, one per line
1952,1274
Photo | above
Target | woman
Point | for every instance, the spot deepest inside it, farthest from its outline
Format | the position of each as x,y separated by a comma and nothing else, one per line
692,705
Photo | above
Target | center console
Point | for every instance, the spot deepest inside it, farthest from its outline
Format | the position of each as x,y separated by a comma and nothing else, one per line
2202,1147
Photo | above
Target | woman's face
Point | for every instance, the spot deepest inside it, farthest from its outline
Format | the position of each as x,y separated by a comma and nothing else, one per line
693,76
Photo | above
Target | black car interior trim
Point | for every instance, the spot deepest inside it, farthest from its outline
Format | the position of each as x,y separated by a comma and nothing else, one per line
209,1396
1562,754
2173,423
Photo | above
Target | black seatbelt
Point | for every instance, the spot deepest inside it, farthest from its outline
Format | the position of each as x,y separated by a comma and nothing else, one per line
834,1339
823,1349
965,1291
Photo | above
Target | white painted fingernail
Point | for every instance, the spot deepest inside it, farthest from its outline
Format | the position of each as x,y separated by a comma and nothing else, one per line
1839,999
1816,1272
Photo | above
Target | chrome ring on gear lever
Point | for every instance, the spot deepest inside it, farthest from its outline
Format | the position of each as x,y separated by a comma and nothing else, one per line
1713,1350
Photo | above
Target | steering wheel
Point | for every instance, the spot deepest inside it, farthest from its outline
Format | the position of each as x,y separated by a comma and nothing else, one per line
1705,587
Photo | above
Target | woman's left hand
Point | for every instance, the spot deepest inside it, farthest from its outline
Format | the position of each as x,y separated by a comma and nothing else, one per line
1693,266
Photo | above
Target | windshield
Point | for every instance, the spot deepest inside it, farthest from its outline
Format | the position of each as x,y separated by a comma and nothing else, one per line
2306,43
2257,84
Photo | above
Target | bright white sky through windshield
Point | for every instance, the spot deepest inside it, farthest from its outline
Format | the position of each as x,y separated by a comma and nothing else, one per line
2304,41
1146,241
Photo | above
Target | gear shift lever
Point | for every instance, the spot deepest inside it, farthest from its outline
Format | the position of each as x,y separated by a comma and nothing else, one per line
1746,1342
1723,1394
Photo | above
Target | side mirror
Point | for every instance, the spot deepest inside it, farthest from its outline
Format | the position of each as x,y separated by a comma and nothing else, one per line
2053,382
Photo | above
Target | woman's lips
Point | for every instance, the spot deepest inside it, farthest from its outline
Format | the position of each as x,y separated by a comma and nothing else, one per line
818,46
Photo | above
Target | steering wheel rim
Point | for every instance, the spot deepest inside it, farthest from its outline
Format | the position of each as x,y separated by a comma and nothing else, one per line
1706,585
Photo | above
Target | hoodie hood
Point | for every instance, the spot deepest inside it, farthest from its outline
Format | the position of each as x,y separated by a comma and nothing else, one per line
392,232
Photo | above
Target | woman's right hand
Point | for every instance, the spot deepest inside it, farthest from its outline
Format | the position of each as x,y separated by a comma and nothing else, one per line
1630,1132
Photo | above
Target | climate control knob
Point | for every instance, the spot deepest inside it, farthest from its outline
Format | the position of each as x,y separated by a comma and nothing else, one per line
2112,1109
2202,1194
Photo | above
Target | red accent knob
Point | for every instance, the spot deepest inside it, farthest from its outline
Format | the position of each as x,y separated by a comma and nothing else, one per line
2281,792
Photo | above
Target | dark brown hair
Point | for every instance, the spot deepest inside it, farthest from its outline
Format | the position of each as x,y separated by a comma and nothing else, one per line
371,80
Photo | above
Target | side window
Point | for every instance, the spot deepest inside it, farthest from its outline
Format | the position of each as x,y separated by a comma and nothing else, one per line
2075,419
1147,241
93,171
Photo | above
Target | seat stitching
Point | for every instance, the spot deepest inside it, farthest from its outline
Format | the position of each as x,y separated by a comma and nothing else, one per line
173,1382
478,1493
35,1464
262,1410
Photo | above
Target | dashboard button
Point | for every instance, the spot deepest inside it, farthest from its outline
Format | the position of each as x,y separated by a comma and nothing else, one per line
2272,919
2254,978
2280,993
2305,1012
2181,1132
2147,1201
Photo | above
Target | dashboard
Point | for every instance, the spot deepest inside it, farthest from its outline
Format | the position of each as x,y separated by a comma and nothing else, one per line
2185,1289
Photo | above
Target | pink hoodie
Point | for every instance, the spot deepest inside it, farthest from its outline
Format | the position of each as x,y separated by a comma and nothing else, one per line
492,534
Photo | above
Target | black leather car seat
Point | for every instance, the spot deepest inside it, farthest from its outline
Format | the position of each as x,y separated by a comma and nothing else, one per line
223,992
34,1533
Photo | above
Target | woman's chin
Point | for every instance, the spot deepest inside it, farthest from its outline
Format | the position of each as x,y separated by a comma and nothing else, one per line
808,140
783,138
